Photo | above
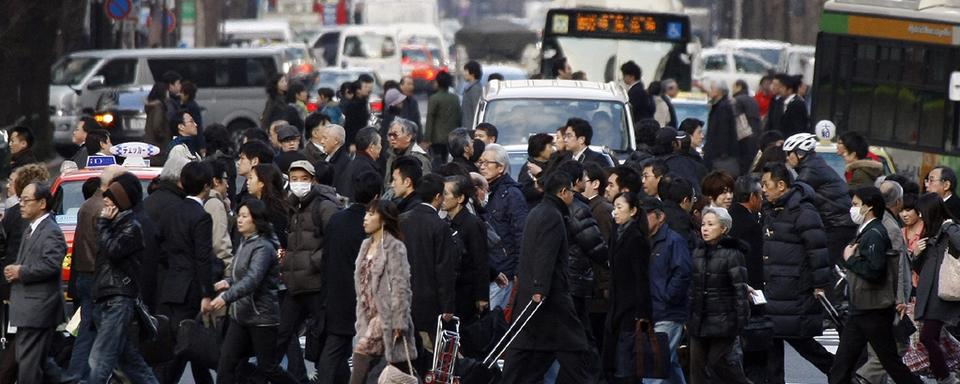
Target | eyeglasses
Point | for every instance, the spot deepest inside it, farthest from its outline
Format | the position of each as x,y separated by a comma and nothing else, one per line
26,200
393,135
482,163
932,180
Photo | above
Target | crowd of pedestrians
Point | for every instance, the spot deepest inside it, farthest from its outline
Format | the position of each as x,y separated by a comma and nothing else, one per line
361,237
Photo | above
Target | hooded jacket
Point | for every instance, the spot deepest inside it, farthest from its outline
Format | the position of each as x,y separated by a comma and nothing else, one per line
795,262
301,266
831,199
506,212
864,172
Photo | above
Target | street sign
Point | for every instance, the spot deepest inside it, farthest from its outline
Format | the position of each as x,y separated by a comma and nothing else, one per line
117,9
171,21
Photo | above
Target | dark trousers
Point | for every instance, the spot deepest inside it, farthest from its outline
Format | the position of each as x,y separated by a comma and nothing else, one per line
874,327
332,367
236,346
712,360
581,305
292,351
808,348
172,372
8,360
438,152
930,337
525,366
112,347
33,347
755,366
293,314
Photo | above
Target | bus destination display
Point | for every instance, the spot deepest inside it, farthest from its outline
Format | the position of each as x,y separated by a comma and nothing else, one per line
617,25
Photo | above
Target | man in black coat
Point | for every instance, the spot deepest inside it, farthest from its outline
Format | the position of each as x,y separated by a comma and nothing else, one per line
788,113
775,110
553,332
186,285
942,180
339,297
640,102
368,151
356,111
577,135
745,212
432,253
720,147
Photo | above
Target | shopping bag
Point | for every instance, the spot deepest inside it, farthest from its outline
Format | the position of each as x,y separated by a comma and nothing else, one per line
918,361
653,352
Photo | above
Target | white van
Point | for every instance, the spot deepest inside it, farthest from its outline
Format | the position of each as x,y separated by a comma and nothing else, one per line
231,82
377,48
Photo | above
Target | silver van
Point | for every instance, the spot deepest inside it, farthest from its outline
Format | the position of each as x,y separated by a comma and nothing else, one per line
231,82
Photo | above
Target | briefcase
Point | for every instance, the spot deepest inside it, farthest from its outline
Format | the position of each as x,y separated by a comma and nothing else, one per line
160,349
653,352
198,343
757,335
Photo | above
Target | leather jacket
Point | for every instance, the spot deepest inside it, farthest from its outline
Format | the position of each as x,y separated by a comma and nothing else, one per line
120,252
254,285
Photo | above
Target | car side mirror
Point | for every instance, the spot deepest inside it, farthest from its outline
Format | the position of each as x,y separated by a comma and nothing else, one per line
96,82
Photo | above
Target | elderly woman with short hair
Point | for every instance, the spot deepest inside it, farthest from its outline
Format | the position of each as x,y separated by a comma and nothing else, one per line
718,305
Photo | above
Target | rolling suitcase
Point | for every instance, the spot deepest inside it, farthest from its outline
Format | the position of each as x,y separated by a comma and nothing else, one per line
522,319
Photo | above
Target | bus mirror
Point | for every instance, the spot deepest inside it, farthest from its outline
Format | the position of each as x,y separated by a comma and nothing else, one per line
954,91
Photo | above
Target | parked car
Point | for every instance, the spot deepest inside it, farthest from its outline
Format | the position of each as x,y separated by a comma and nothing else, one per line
423,64
729,65
521,108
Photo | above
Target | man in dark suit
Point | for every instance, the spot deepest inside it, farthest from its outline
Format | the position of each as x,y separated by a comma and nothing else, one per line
186,285
576,139
36,299
942,180
315,125
433,256
554,332
368,151
796,118
641,103
775,110
339,261
339,157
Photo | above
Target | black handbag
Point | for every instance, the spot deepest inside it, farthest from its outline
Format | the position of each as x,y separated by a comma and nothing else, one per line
198,343
757,335
148,325
160,349
653,352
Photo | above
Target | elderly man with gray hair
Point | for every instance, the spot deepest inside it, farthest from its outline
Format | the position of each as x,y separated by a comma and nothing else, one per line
332,139
460,144
402,138
721,149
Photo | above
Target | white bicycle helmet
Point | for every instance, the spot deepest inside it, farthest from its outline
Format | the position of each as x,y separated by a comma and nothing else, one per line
806,142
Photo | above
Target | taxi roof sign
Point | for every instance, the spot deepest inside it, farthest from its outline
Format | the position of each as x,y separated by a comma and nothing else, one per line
134,153
100,161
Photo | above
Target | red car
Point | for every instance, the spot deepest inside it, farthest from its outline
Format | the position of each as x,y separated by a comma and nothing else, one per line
422,63
68,195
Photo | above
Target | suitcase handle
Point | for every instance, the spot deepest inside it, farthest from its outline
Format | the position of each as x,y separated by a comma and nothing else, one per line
500,348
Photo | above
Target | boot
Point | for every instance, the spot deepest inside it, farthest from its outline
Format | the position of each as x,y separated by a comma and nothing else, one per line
952,379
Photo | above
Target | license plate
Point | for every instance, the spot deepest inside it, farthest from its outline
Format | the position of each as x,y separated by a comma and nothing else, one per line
137,124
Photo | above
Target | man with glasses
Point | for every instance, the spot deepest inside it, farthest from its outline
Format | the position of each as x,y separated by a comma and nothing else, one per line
402,139
506,212
36,299
942,180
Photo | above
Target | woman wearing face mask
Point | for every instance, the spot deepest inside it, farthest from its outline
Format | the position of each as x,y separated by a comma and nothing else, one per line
382,279
630,304
473,279
266,184
718,300
872,278
939,232
252,291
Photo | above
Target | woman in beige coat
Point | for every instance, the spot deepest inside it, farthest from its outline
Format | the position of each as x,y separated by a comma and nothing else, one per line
382,281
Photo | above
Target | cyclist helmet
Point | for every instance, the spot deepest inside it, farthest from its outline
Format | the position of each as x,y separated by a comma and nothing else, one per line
806,142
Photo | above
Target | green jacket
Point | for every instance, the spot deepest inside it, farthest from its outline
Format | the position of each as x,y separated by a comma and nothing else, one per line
872,270
443,116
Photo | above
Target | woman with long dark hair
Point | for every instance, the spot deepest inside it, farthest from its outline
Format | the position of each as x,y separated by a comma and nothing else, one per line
940,233
252,289
266,184
276,106
382,281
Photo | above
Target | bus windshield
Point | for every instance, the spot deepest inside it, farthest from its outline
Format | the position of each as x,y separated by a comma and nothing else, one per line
601,58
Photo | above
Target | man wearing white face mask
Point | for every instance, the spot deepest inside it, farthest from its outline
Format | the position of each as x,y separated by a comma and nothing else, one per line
314,201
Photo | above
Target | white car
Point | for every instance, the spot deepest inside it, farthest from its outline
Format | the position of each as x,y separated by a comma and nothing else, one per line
770,51
729,65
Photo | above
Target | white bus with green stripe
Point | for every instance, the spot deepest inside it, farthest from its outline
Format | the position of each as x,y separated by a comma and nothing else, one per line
883,68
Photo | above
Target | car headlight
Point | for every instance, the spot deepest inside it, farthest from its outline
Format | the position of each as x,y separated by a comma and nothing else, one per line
105,119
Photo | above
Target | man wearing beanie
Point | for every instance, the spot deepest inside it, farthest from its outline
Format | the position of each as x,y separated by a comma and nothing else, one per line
117,287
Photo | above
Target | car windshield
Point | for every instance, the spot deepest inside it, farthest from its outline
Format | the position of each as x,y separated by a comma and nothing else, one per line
333,80
518,119
71,70
700,111
770,55
69,197
415,55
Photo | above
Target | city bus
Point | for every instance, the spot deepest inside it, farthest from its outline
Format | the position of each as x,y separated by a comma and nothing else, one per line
884,70
597,41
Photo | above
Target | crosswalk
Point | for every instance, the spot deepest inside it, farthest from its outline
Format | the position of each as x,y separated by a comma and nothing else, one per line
830,340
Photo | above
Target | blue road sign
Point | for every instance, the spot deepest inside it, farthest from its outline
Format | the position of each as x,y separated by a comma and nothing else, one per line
117,9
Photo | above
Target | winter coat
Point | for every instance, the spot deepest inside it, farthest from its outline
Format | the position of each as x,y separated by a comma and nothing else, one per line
929,305
273,109
543,270
872,270
586,245
391,281
413,150
795,262
468,107
688,166
795,118
630,298
301,269
443,116
744,104
333,111
223,224
680,222
85,236
863,173
528,185
774,113
411,111
641,104
721,140
473,267
162,200
433,259
187,249
356,115
11,232
359,165
718,290
603,213
670,266
156,130
832,193
506,213
253,295
747,227
339,258
120,244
